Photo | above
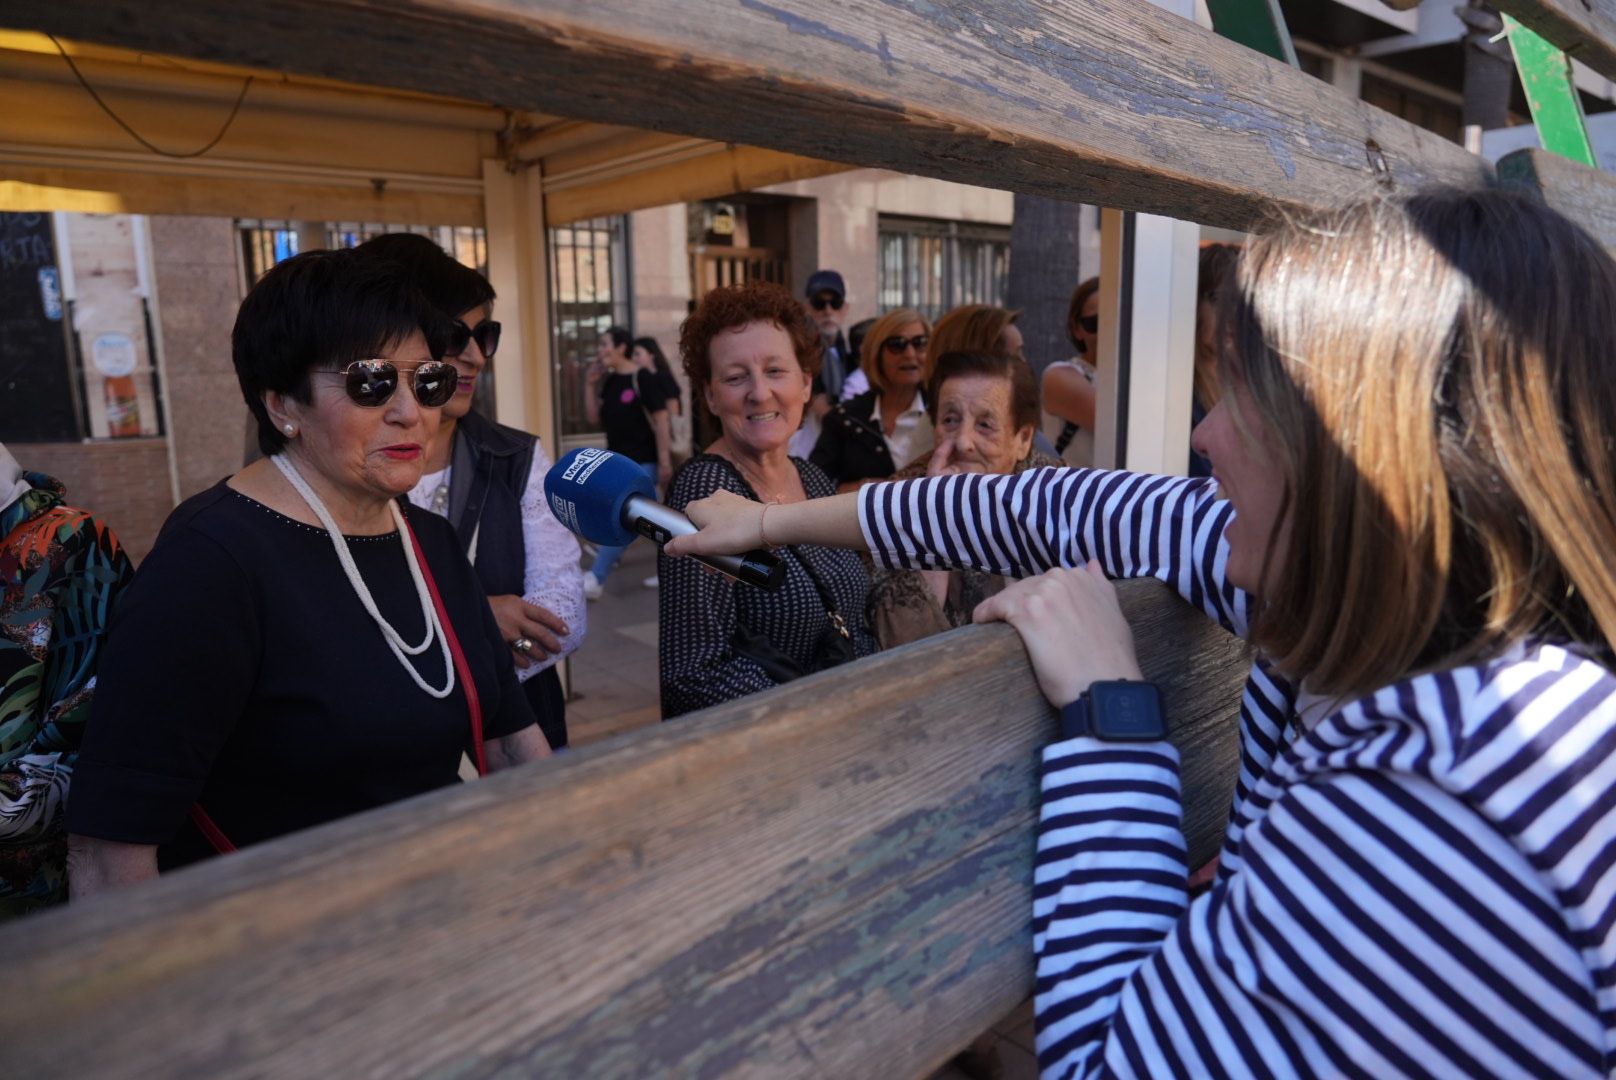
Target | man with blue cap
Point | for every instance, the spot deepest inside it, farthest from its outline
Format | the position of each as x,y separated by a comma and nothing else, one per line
839,375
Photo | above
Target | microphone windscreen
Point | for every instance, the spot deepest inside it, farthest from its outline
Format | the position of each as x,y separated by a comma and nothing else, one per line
587,489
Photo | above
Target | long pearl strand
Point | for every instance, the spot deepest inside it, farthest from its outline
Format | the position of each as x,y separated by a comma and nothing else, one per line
394,640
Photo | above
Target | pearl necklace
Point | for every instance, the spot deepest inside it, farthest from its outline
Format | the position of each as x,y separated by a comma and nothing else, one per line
394,640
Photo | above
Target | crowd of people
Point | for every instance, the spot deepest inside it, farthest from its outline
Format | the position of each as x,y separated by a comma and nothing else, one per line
1401,490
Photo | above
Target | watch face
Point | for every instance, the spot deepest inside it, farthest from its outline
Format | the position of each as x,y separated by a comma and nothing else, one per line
1127,710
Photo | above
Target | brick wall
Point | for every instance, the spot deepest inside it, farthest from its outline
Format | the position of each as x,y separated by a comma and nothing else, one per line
125,481
198,290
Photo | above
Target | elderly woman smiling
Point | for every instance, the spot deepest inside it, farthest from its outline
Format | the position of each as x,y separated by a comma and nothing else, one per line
751,355
985,409
300,644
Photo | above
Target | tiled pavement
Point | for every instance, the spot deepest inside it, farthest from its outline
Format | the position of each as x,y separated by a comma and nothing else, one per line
613,683
613,675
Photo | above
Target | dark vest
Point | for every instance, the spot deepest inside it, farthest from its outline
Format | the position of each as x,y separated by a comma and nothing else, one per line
490,463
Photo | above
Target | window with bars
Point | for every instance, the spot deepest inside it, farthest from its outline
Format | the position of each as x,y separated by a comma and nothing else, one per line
933,266
589,291
266,242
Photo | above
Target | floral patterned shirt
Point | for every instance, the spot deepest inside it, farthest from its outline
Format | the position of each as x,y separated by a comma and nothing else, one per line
60,571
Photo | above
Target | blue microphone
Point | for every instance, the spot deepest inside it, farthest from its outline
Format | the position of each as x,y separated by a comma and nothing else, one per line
608,499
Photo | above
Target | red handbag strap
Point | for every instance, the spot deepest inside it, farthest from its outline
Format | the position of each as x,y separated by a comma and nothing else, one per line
462,669
215,835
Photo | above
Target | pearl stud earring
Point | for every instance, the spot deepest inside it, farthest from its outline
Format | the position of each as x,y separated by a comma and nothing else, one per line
290,429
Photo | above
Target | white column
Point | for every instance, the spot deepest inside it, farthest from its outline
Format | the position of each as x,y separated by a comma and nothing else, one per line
1147,342
146,278
1346,75
1147,334
519,270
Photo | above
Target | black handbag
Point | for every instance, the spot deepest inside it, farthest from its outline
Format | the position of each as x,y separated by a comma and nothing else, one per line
834,647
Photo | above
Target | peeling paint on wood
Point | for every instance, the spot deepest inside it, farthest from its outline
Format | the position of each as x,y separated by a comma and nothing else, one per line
1114,102
830,878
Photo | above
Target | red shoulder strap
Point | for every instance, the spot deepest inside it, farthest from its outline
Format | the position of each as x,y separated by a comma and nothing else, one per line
462,669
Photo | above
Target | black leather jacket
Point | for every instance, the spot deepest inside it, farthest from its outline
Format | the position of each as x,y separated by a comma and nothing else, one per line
851,446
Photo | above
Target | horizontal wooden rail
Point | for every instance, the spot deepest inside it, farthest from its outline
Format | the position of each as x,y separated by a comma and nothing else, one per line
1113,102
832,878
1586,196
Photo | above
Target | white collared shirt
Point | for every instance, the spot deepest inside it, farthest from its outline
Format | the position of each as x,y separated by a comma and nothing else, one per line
911,436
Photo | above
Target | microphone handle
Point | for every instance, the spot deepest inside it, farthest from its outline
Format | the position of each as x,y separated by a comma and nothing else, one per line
659,524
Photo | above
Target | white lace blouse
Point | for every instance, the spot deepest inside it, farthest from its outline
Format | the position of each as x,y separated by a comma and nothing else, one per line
552,579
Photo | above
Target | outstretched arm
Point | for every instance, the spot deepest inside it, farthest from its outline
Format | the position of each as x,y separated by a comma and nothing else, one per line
731,524
1133,524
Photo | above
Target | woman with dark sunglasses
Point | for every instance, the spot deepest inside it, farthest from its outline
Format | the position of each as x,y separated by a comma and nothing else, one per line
1069,385
301,643
488,480
874,434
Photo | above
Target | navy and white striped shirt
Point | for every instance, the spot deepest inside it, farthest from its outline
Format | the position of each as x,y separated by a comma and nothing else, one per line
1417,882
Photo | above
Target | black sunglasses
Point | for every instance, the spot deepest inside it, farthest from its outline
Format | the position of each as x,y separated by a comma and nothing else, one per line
1089,323
895,345
370,383
820,303
485,334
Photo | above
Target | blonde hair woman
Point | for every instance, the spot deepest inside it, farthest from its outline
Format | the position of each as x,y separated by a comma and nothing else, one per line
873,435
1413,518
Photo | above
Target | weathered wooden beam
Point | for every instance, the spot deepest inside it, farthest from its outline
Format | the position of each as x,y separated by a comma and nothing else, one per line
1583,29
1586,196
723,170
109,189
1107,101
832,878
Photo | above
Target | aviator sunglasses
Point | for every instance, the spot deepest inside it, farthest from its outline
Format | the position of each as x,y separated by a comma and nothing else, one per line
485,334
370,383
896,345
822,302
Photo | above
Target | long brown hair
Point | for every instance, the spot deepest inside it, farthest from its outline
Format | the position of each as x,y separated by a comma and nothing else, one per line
970,328
1435,373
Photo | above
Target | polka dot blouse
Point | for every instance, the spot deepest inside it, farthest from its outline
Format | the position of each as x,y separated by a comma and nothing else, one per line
699,610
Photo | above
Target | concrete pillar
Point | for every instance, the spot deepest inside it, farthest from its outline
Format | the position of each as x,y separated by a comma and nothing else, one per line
519,269
198,281
661,291
310,235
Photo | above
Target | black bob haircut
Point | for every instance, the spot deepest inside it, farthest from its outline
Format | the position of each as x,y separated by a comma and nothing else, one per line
447,285
322,310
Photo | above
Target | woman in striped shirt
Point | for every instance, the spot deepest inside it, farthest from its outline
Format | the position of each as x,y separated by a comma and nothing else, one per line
1413,517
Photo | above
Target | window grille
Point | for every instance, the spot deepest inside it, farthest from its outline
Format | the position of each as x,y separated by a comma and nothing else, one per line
933,266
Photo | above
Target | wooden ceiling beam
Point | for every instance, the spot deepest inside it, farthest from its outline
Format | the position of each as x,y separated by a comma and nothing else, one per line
564,136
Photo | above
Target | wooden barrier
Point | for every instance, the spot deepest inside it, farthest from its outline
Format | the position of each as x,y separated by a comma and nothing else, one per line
1586,196
831,878
1113,102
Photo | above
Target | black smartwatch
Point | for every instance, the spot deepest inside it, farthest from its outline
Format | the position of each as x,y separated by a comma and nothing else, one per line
1116,711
